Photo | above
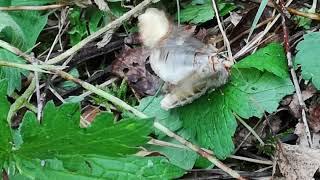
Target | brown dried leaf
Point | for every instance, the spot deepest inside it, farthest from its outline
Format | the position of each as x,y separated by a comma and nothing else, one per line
296,162
131,64
314,115
89,113
302,140
294,104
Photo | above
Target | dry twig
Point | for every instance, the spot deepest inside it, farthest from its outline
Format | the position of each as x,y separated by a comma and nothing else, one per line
293,74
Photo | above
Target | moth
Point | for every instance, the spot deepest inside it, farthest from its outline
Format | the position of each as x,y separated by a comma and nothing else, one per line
188,67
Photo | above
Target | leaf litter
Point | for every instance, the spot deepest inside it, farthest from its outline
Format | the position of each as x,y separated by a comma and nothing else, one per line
255,88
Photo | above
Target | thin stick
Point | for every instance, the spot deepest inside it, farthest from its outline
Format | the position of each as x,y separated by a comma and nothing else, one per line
294,76
114,24
314,6
178,11
15,50
168,144
249,128
61,23
251,160
246,137
313,16
225,38
260,36
201,152
37,8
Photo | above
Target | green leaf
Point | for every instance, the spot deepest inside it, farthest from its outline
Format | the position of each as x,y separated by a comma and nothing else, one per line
150,106
199,13
78,27
21,29
13,75
262,6
303,22
84,22
100,167
249,93
68,85
308,57
60,134
5,134
267,59
209,120
181,157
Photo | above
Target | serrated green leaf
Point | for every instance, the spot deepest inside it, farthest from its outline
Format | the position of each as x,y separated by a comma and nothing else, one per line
271,59
199,13
100,167
21,29
13,75
308,57
60,134
251,92
5,134
209,120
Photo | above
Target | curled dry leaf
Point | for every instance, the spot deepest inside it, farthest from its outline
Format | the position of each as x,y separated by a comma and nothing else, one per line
131,64
294,106
296,162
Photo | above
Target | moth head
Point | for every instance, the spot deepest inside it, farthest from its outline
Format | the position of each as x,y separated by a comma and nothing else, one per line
153,26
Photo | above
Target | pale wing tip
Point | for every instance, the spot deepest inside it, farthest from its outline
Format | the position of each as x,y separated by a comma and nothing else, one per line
169,101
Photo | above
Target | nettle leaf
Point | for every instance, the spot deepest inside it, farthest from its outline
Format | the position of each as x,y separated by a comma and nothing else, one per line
5,134
270,54
209,120
60,134
21,29
199,12
308,57
101,167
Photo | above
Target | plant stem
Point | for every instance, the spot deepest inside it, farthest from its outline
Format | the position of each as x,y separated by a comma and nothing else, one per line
294,75
21,101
